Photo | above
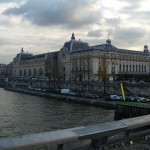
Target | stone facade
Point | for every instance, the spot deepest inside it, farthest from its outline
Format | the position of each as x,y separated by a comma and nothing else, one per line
91,63
26,64
78,61
5,70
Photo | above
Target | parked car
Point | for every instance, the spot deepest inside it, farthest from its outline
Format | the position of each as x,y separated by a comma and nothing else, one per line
72,93
113,97
88,95
42,78
96,95
141,82
141,100
65,91
134,98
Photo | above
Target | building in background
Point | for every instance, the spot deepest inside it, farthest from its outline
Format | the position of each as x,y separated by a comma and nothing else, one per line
5,70
103,61
29,65
78,61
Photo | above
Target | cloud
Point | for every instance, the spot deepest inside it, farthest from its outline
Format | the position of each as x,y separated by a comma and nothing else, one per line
95,33
38,24
12,1
58,12
8,1
129,37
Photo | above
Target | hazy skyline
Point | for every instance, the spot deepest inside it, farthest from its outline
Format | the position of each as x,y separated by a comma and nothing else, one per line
41,26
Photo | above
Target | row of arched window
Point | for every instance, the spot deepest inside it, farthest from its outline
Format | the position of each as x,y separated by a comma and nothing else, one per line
29,72
132,68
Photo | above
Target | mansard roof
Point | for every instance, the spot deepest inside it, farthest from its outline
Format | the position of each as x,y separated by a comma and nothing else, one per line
22,55
112,49
37,56
74,44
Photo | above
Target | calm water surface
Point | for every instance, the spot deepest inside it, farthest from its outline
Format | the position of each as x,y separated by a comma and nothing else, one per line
24,114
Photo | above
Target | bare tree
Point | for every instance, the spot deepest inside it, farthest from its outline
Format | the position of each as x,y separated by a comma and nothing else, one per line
103,70
51,67
89,69
75,70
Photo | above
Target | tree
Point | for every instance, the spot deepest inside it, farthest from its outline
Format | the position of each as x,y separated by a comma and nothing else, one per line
103,70
89,69
51,66
75,70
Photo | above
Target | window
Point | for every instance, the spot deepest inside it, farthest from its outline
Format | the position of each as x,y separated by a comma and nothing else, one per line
120,67
34,72
29,72
40,72
130,68
20,72
136,68
126,67
123,67
145,68
133,68
25,72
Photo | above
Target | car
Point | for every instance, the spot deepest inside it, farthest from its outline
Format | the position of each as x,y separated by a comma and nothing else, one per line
72,93
142,100
88,95
42,79
113,97
141,82
96,95
33,78
134,98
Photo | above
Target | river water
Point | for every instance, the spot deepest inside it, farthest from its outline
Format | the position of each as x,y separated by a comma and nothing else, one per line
24,114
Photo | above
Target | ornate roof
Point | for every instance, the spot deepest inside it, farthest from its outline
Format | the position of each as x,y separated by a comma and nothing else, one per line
74,44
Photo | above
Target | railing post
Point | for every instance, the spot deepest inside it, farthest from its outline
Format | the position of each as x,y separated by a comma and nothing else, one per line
99,144
60,147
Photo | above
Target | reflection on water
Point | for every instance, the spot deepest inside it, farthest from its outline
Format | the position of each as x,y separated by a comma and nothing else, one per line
24,114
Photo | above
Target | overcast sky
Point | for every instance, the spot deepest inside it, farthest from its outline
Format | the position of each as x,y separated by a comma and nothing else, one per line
41,26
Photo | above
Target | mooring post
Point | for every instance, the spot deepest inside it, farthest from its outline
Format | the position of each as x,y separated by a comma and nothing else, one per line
99,144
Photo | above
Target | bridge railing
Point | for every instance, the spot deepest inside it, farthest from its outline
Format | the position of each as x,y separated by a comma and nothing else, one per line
99,135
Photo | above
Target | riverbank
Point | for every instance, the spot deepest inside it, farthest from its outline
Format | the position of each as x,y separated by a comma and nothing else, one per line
99,102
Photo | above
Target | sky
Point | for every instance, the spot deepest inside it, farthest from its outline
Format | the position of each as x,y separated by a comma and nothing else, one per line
41,26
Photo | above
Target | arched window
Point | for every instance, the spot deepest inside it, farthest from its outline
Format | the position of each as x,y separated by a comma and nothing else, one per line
145,68
126,67
35,72
130,68
25,73
40,72
136,68
29,72
120,67
20,72
133,68
142,68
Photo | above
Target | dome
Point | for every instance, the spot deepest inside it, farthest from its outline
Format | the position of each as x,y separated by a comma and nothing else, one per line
74,44
146,48
22,55
108,41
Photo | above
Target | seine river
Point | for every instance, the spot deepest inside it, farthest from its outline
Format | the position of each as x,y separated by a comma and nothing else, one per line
24,114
